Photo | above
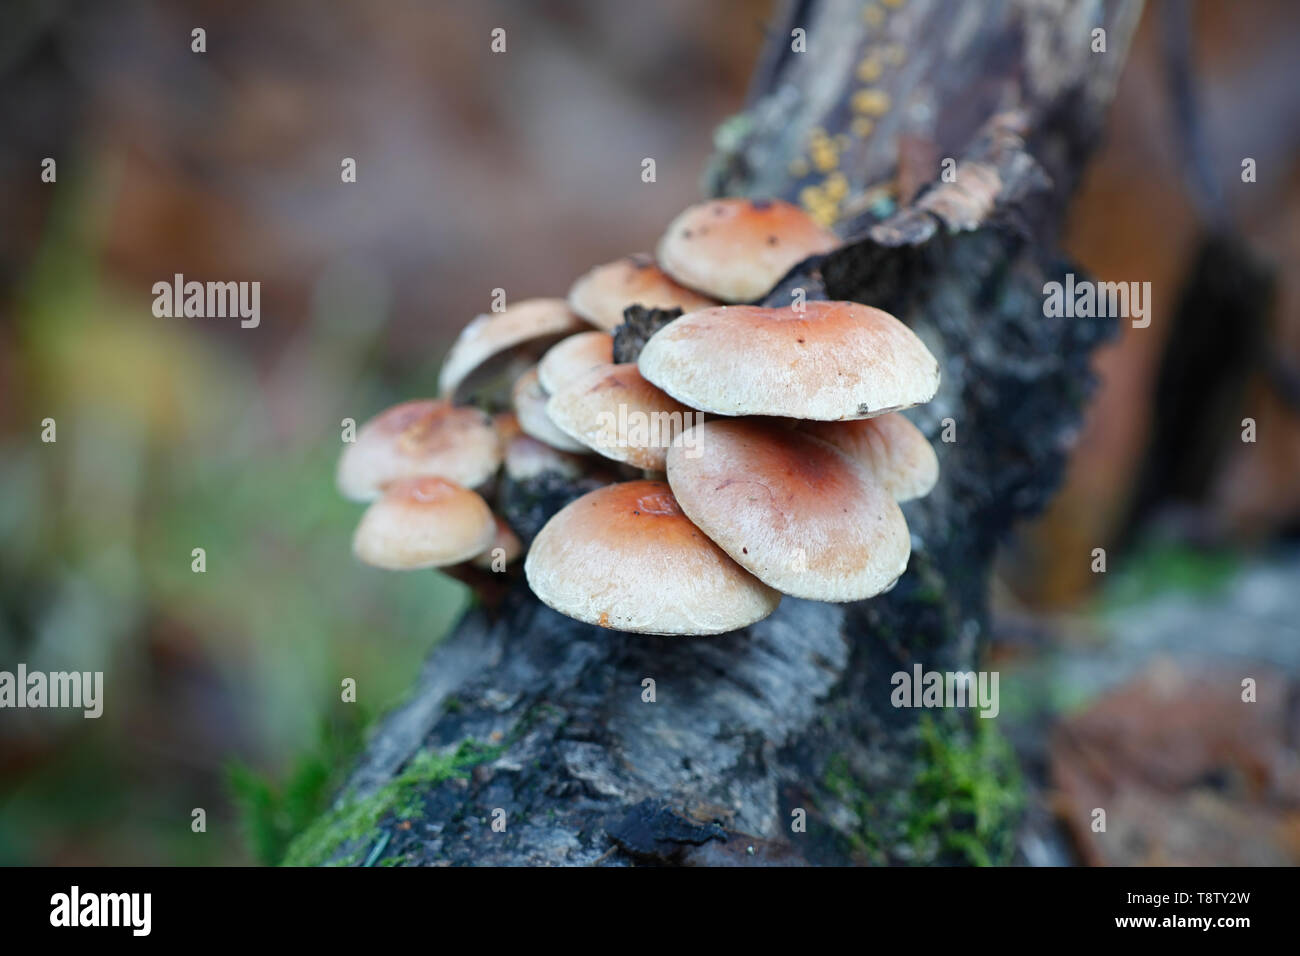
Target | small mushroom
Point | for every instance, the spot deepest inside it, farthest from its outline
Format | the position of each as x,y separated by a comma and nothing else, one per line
602,294
526,457
626,557
831,361
495,337
530,405
420,437
796,512
737,249
891,447
423,522
503,539
614,411
569,358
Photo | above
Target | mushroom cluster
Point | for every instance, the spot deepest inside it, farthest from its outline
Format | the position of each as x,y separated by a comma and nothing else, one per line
742,453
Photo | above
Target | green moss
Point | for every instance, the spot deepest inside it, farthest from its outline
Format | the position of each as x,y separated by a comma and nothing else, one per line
321,842
961,806
1158,567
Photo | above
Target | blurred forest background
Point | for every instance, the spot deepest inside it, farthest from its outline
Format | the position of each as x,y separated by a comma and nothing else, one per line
520,171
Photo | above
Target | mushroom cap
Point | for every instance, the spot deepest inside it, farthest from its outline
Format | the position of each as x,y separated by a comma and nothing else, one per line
601,295
420,437
830,362
526,457
737,249
423,522
892,448
505,539
507,426
496,335
569,358
797,513
614,411
530,405
625,556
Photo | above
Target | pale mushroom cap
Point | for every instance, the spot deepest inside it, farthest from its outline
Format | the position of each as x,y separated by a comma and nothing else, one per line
530,405
493,334
830,362
505,541
892,448
602,294
420,437
526,457
423,522
796,512
737,249
614,411
569,358
625,557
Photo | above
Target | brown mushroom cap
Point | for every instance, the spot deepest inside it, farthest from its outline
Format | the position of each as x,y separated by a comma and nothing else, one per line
569,358
737,249
891,447
625,557
503,538
526,457
797,513
421,437
602,294
530,405
494,336
423,522
614,411
830,362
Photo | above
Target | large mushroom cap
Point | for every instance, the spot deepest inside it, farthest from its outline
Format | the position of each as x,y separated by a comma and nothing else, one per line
625,557
830,362
423,522
892,448
569,358
494,336
602,294
796,512
614,411
737,249
530,405
421,437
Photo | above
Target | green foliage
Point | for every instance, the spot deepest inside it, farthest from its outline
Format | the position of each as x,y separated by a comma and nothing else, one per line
1162,566
337,830
962,805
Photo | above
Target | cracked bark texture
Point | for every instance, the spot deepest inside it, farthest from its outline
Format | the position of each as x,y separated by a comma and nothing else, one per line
794,713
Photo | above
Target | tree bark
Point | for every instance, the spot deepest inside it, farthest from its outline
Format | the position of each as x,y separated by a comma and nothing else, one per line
779,743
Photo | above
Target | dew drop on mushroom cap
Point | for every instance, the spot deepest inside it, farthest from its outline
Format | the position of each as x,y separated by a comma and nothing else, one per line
494,337
617,413
420,437
423,522
601,295
568,358
890,446
737,249
626,557
798,513
832,361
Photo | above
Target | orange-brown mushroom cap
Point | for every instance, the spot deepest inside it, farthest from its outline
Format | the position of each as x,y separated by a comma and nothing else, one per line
530,405
602,294
504,548
614,411
569,358
423,522
831,361
797,513
420,437
737,249
626,557
891,447
532,322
